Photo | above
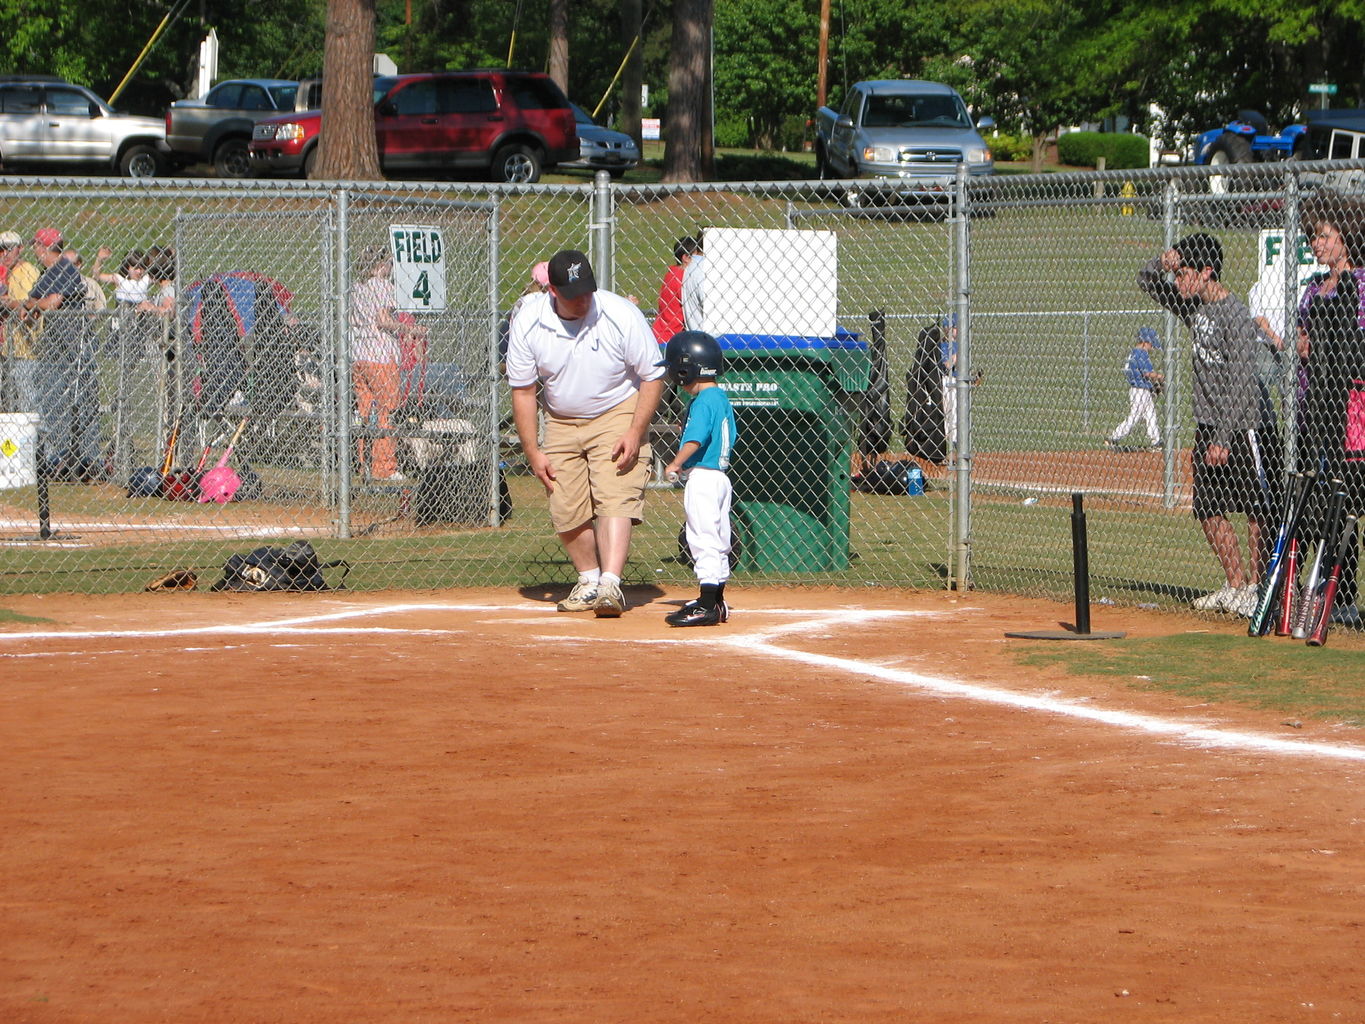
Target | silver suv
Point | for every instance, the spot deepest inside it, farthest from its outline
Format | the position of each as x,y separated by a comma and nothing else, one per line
48,122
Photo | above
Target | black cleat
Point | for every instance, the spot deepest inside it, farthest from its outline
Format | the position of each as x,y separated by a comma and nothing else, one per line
693,614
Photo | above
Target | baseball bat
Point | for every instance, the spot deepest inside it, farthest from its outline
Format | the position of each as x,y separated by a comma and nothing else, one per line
1312,587
1308,597
1289,595
1276,569
1289,546
1318,636
169,476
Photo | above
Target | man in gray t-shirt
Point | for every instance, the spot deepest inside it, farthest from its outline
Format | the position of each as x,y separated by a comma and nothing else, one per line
1229,458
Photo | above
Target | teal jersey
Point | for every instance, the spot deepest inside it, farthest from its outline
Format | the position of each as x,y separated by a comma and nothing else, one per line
711,423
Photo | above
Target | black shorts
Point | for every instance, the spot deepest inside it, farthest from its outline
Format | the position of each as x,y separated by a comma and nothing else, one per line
1246,483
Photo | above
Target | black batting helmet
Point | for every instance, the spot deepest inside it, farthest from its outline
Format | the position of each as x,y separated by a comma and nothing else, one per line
692,356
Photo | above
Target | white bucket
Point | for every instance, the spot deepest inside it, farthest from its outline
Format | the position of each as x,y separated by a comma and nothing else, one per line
18,449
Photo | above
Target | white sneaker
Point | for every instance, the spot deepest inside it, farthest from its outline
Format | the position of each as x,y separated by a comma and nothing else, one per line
1217,601
610,602
1244,604
582,598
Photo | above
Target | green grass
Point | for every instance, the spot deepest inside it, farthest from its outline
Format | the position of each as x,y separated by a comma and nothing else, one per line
6,615
1271,674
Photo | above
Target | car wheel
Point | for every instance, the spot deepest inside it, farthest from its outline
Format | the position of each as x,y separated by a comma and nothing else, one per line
516,165
617,173
140,162
1228,148
232,159
310,161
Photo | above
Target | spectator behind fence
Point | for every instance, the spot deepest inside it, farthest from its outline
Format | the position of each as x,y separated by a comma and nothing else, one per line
17,278
1229,459
376,333
132,285
539,282
1266,303
669,319
693,290
95,299
590,357
1331,332
68,384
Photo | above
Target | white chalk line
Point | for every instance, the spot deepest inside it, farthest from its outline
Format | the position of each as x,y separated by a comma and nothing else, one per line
812,622
1131,721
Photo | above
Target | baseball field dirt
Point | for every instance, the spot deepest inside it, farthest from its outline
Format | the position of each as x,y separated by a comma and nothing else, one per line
411,808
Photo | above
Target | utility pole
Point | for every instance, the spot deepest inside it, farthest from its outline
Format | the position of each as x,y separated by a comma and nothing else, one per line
822,86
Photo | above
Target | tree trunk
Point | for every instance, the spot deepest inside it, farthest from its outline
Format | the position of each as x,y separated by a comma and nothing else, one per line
632,79
559,43
688,149
1039,152
346,141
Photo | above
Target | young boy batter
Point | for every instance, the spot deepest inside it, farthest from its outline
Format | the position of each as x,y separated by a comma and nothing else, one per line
694,361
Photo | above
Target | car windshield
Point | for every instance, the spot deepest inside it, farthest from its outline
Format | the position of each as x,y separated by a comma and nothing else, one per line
580,115
382,87
283,95
905,111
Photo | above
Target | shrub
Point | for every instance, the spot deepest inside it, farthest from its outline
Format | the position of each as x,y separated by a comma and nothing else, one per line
1005,146
761,167
738,133
1121,150
733,132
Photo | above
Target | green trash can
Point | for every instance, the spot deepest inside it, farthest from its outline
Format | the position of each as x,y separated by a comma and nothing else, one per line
794,407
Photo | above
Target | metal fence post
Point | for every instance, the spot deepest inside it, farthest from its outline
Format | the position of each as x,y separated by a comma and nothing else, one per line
960,575
494,341
1289,368
1169,206
601,229
341,366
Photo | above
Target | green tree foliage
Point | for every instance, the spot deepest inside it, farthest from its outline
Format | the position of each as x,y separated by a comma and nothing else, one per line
772,77
96,44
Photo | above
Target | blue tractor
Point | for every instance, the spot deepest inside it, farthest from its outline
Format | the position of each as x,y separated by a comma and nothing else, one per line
1247,139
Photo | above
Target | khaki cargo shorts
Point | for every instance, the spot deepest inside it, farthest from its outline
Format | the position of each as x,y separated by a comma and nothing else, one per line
587,482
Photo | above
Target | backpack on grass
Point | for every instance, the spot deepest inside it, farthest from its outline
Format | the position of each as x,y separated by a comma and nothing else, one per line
295,567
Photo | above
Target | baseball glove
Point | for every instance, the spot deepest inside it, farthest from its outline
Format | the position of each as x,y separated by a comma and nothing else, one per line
176,579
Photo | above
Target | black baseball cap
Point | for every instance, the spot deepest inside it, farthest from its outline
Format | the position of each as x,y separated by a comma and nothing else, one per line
571,274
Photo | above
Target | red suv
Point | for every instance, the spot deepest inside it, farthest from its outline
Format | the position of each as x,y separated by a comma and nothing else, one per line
507,124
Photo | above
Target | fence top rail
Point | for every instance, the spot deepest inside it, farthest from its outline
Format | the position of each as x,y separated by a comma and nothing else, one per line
37,186
23,187
1137,175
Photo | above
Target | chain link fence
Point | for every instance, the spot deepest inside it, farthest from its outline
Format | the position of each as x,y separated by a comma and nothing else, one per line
923,378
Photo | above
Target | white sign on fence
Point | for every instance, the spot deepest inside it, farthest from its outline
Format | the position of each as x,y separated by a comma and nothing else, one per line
771,281
18,448
419,268
1271,269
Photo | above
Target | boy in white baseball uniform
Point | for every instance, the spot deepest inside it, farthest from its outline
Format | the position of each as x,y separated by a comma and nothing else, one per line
694,361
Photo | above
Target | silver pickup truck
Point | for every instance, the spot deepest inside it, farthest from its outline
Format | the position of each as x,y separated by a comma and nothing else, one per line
906,136
216,128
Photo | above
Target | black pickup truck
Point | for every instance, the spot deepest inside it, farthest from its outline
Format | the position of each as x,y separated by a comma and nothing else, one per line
216,128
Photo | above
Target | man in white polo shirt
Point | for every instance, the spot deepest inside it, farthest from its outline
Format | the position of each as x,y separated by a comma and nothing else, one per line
592,357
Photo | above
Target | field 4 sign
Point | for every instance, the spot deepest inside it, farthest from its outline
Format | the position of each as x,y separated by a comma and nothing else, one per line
419,268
